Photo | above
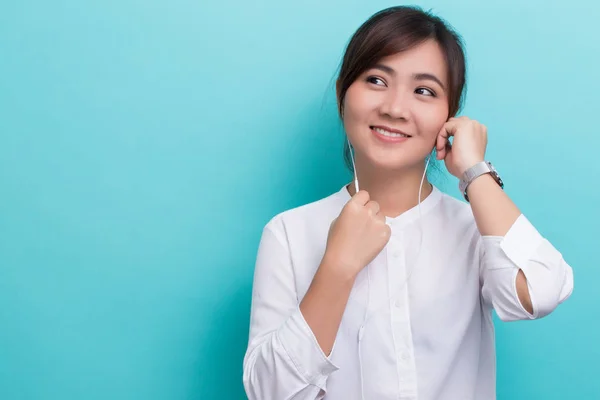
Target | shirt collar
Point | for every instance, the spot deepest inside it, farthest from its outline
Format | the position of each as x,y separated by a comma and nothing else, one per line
409,215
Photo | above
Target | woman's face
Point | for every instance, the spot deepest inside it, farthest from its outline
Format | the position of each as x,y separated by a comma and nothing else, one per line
405,92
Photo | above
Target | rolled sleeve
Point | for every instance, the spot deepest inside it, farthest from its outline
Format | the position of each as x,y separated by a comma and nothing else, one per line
549,277
301,345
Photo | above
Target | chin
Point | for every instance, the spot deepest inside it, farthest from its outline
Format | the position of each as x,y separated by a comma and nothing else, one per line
394,161
395,164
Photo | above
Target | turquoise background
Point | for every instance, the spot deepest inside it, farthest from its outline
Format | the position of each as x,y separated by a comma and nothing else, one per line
144,145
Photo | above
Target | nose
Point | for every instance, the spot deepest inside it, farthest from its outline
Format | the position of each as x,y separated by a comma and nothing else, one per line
396,105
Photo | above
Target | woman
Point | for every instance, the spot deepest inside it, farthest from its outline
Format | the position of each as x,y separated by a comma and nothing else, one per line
385,289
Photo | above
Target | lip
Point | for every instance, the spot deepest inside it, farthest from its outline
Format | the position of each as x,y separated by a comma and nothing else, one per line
388,139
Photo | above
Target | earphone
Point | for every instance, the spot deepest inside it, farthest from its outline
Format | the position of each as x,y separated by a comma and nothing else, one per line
367,316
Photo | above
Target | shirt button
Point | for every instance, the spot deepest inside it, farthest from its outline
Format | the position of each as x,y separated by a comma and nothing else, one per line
405,356
398,303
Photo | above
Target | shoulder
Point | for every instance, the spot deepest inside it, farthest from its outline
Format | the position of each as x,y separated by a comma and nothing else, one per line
456,207
457,217
314,215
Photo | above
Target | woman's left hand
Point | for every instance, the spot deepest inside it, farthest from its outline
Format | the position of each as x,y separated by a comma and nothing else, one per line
468,145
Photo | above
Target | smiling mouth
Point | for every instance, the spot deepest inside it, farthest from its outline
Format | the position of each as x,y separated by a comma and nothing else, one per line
388,133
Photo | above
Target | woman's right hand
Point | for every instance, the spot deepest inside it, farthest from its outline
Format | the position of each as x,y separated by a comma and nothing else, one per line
357,235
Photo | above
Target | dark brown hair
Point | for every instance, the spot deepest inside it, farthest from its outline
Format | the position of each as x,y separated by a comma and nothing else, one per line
391,31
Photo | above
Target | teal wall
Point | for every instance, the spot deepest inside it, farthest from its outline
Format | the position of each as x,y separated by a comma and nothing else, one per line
144,145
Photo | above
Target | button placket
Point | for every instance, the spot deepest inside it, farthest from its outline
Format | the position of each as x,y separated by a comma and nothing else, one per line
400,316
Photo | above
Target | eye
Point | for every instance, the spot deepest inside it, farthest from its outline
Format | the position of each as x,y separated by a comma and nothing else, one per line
374,79
426,92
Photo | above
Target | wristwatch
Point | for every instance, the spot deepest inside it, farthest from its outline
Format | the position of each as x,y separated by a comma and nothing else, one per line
482,167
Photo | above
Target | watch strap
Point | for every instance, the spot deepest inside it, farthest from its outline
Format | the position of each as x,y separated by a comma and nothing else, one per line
481,168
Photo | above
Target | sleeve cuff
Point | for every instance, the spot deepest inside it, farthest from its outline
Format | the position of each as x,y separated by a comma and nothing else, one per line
301,345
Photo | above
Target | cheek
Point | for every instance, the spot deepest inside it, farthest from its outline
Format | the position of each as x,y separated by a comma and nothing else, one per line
431,119
359,103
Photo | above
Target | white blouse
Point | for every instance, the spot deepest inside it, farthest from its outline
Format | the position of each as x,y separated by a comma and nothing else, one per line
429,337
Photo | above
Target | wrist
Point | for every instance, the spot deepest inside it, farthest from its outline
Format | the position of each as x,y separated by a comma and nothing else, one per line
335,267
481,180
469,165
474,173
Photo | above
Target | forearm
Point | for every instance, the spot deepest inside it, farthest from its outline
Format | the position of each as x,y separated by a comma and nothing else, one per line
324,304
493,210
494,214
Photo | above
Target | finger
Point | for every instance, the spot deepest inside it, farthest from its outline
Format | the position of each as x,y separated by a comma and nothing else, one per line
443,139
387,232
380,217
440,146
373,207
361,197
450,127
461,118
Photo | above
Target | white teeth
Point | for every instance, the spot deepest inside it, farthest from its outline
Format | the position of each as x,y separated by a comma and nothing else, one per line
389,134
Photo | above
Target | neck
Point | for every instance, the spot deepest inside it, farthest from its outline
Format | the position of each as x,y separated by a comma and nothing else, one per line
395,191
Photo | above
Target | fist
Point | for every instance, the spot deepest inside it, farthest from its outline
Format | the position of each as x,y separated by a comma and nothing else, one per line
357,235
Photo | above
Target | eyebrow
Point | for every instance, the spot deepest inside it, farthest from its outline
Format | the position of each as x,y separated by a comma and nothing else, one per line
422,76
